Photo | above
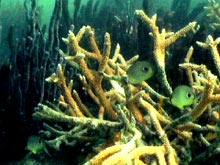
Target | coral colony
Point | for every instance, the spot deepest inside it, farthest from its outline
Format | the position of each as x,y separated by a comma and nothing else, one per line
116,116
136,126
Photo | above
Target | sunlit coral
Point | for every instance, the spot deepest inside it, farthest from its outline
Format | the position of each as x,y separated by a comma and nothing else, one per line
144,125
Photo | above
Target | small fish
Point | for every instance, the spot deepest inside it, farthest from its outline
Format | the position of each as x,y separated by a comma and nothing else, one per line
140,71
34,144
182,96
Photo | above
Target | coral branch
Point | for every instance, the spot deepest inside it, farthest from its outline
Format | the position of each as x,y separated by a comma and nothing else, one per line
46,113
212,44
161,42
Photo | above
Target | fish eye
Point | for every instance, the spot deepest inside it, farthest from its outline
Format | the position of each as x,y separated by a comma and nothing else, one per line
189,95
146,69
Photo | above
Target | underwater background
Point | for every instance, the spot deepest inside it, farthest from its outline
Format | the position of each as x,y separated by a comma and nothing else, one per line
43,76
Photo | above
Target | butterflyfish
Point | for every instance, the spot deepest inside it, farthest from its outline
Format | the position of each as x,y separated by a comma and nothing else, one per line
34,144
182,96
140,71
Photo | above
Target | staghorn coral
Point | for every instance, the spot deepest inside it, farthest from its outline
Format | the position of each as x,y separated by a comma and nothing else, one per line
213,14
134,120
161,42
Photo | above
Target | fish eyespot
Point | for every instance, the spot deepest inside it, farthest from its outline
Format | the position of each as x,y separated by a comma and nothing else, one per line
146,69
189,95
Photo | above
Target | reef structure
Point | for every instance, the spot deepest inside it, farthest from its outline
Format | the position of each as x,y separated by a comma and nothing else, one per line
135,127
213,14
